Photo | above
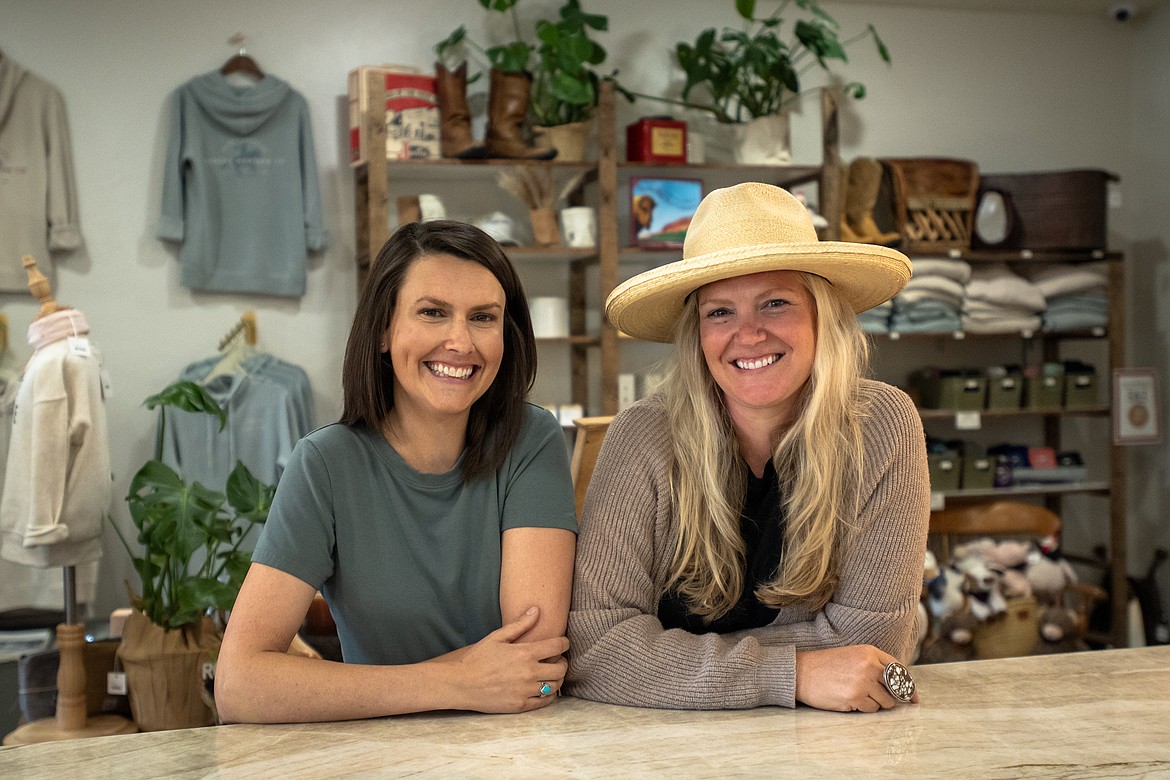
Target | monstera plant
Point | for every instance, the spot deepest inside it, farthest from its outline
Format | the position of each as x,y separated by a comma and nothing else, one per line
192,562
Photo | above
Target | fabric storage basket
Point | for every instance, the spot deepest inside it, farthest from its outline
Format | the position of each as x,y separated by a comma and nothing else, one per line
932,201
1011,634
1052,210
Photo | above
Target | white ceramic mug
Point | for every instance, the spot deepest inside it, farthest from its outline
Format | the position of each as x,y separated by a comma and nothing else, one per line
579,226
430,207
550,317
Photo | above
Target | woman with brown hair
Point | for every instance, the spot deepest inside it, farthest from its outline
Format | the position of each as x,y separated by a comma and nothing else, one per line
754,533
436,516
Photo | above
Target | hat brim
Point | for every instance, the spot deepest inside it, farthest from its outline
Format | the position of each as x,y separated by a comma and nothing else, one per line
648,305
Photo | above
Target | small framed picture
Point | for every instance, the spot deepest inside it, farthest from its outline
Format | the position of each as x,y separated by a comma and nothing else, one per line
1135,406
661,211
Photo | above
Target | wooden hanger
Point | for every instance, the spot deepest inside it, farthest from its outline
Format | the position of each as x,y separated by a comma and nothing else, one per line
247,326
241,62
3,333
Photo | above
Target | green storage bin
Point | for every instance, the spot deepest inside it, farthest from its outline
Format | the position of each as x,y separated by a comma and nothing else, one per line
945,471
1044,387
964,391
1005,391
1080,390
978,473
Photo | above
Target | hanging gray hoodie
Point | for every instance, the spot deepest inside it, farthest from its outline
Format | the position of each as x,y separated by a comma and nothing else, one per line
240,188
38,194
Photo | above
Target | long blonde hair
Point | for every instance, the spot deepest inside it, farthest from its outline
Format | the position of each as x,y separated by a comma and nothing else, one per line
818,460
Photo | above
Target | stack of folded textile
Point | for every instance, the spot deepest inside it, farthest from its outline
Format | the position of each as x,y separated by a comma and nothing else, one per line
877,319
932,299
1076,295
1001,301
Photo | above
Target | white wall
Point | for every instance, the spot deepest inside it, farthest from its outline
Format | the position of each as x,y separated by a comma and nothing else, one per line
1012,91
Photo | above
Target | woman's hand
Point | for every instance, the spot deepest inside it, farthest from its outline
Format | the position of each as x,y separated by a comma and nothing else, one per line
844,679
499,674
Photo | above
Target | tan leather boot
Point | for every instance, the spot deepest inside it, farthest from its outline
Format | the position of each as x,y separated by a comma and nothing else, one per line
455,136
507,111
864,181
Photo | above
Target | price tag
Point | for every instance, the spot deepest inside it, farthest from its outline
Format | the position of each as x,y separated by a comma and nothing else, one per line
79,346
116,683
968,421
937,501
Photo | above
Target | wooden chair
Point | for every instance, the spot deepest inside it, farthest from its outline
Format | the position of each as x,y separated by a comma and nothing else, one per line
1009,519
590,432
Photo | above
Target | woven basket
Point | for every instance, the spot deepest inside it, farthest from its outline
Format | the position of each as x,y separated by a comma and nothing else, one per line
1011,634
933,201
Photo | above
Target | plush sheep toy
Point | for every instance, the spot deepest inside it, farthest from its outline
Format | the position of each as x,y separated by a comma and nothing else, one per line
1048,572
954,641
1058,632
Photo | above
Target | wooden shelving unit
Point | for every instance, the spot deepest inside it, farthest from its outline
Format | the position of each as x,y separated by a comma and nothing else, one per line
593,273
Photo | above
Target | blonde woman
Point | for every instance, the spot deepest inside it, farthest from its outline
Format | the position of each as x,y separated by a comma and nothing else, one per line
754,533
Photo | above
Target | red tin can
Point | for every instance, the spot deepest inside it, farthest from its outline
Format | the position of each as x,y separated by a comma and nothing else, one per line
657,139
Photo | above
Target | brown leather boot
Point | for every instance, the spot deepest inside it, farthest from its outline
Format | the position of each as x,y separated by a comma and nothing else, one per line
455,137
507,111
864,181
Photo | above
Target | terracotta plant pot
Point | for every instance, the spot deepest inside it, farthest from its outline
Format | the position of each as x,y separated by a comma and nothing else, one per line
164,672
570,140
544,227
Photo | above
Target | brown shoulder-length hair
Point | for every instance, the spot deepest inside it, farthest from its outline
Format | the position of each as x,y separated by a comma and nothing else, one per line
367,375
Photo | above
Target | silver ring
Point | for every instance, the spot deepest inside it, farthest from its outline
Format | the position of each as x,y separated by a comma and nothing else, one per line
545,689
898,681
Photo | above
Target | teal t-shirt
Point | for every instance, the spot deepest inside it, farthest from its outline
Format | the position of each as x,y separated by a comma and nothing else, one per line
409,562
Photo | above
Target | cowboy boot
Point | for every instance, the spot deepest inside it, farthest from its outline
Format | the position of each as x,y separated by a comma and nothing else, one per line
865,179
455,137
507,109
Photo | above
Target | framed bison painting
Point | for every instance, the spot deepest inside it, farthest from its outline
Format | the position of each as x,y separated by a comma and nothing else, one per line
661,211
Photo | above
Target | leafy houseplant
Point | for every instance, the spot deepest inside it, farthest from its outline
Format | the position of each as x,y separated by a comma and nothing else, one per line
175,521
753,72
564,87
192,565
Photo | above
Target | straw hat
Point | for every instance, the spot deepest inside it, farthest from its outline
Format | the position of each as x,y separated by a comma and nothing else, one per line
747,229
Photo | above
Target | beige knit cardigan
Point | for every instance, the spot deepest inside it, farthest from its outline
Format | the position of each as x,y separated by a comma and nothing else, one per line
619,651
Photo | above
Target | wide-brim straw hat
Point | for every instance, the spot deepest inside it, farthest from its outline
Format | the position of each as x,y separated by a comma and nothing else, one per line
747,229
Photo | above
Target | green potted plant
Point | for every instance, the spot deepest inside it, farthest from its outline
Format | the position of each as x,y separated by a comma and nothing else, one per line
564,90
561,90
751,74
191,568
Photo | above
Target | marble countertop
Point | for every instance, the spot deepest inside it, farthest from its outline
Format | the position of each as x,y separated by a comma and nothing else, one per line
1093,714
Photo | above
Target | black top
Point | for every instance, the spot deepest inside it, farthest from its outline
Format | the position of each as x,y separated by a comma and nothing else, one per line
761,524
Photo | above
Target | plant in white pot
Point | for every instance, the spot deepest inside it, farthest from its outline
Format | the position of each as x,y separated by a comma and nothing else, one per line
747,77
192,564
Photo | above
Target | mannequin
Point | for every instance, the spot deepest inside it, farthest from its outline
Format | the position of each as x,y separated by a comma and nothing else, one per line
60,459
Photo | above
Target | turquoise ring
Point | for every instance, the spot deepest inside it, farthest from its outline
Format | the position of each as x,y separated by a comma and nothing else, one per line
545,689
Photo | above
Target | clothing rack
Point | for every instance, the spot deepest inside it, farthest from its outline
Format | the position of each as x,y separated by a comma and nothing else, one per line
246,326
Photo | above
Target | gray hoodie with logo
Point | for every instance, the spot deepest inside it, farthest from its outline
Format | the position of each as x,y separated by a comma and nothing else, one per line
240,189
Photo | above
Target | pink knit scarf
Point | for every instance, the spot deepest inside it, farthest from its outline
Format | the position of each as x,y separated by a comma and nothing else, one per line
56,326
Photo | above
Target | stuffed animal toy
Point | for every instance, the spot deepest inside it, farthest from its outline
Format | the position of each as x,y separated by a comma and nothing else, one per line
1058,632
944,593
1010,558
981,586
1048,572
954,640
